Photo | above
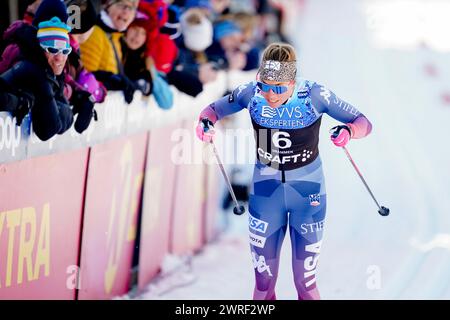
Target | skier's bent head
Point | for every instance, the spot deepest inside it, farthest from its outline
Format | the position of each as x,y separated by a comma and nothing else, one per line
277,73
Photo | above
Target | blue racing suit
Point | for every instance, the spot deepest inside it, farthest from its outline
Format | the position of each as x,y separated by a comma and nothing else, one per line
288,184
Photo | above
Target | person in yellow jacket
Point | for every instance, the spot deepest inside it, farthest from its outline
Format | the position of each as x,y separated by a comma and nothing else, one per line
101,53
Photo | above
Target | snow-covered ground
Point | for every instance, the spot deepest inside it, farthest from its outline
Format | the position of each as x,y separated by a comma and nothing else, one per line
405,93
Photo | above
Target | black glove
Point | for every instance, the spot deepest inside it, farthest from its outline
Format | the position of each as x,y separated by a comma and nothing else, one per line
144,86
110,80
144,83
117,82
207,124
128,89
79,98
83,105
65,116
335,131
121,82
25,101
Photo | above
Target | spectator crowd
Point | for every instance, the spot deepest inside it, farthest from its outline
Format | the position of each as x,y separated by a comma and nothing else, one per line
63,57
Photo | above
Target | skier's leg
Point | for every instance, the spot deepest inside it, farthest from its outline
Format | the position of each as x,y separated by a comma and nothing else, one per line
267,228
306,200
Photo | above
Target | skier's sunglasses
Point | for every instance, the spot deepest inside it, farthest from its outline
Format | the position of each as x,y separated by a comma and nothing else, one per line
55,51
267,87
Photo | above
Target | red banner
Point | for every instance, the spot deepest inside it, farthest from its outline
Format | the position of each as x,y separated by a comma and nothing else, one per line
40,216
157,203
189,197
212,202
113,194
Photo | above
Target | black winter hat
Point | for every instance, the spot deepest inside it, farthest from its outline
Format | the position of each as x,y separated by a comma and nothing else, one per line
87,19
49,9
172,27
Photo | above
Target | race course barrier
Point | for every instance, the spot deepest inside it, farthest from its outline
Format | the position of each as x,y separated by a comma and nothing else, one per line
77,210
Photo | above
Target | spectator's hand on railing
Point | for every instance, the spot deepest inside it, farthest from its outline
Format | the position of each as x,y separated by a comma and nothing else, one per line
120,82
83,104
144,83
117,82
128,89
79,99
24,105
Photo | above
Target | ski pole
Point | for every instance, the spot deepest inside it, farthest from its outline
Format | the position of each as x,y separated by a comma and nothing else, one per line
238,209
381,210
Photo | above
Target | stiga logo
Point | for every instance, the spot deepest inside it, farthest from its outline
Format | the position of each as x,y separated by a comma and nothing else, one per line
257,225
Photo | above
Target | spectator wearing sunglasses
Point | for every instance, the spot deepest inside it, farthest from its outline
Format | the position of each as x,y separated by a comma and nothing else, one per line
288,184
43,78
20,37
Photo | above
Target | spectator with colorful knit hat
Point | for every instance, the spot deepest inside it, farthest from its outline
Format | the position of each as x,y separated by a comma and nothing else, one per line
101,53
43,78
20,37
53,37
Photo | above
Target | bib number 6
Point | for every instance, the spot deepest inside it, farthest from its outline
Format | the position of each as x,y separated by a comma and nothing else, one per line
280,140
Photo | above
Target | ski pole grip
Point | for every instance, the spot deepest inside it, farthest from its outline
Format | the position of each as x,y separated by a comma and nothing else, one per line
207,124
334,132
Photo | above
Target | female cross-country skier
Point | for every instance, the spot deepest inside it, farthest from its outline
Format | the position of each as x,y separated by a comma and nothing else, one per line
286,113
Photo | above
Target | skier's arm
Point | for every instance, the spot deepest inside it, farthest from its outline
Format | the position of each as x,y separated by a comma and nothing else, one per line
231,103
326,101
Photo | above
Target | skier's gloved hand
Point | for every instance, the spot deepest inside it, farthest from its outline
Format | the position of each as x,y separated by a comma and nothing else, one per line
205,130
340,135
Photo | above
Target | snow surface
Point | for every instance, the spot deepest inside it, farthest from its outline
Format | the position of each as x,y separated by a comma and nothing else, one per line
405,94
